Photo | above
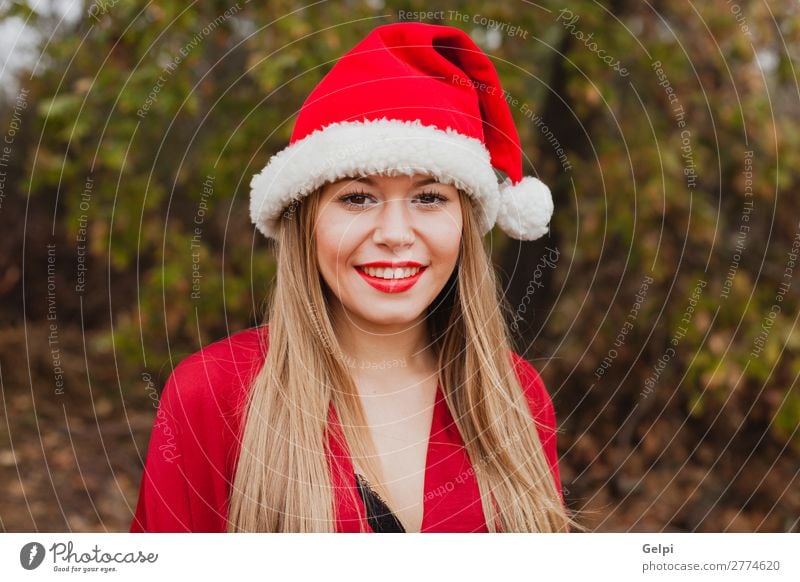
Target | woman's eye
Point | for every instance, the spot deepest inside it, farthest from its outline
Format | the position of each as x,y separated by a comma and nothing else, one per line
354,200
432,199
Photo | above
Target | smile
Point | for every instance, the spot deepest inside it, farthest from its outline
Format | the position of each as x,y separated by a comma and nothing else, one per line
388,273
390,280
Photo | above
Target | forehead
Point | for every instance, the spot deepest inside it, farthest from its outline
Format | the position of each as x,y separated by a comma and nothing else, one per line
412,181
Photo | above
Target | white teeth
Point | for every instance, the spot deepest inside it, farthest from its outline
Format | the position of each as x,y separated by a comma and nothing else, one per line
386,273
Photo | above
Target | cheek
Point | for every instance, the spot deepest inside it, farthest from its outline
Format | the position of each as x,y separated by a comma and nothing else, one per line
444,249
444,236
335,225
335,242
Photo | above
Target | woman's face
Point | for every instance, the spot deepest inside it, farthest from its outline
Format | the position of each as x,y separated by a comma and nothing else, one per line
365,226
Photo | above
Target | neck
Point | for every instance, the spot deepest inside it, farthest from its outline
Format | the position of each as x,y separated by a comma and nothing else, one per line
371,350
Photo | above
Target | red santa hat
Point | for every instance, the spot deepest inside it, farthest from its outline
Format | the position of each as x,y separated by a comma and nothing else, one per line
410,98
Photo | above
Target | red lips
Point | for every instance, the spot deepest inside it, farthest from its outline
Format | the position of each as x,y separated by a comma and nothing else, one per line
391,264
391,285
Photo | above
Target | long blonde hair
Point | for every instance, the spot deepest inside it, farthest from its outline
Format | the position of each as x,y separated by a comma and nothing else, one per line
282,481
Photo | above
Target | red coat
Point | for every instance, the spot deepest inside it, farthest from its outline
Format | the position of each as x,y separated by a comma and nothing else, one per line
194,444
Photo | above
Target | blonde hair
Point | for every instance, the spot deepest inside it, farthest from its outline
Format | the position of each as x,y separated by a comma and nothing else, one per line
283,482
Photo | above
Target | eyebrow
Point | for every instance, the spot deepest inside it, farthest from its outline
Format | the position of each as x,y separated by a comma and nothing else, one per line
418,183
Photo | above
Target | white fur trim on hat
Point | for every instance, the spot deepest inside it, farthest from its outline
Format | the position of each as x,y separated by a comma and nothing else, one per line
525,208
385,146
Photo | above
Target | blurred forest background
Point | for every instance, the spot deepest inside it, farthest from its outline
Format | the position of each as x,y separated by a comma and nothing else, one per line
661,310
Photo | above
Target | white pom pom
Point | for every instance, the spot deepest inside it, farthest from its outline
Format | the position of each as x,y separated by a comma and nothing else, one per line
525,208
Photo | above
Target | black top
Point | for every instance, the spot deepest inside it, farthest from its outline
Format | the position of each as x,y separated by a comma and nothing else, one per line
380,517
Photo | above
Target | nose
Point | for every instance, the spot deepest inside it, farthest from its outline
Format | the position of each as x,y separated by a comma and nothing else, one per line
394,224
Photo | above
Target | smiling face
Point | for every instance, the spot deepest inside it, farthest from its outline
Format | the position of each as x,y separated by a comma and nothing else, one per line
386,245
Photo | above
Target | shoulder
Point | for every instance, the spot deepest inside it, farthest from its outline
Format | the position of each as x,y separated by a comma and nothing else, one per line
215,379
533,386
194,439
236,353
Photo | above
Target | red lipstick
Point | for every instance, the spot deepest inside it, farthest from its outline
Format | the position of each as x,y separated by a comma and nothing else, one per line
391,285
391,264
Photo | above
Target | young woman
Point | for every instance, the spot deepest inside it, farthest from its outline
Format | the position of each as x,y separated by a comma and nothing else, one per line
383,394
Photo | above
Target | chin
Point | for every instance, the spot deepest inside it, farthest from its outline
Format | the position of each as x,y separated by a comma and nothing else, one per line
389,317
